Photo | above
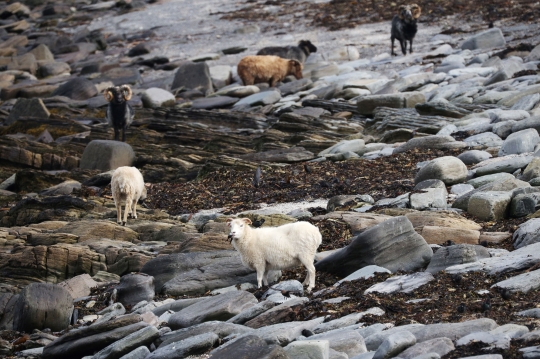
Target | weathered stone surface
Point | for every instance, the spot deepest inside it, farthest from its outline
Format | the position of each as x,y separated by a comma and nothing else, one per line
105,155
134,288
79,286
367,104
435,141
520,142
457,254
403,283
193,76
78,88
27,108
490,205
395,344
219,328
462,202
42,305
527,233
284,333
393,244
484,40
308,349
474,156
156,97
220,307
524,283
197,344
441,346
144,336
249,347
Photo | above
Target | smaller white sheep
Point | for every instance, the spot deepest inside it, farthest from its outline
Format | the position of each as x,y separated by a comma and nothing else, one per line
273,248
127,184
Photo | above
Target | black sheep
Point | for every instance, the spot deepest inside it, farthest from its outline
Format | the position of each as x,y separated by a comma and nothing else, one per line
298,53
404,26
119,113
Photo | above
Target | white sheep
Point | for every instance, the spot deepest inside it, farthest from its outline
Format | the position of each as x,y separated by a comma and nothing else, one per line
272,248
127,184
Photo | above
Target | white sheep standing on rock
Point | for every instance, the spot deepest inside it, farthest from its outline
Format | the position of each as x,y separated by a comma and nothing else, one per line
127,184
272,248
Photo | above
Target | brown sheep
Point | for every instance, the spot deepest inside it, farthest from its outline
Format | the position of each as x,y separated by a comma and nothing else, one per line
271,69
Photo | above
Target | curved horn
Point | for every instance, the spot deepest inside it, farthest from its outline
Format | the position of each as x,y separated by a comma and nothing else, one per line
108,94
400,11
416,11
126,90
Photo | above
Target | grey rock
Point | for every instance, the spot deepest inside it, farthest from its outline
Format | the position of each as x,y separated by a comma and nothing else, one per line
139,353
532,170
486,179
348,200
346,341
134,288
105,155
176,306
503,164
208,103
310,349
88,340
440,346
430,183
42,305
448,169
261,98
221,329
457,254
524,204
486,139
514,261
489,205
500,115
430,198
395,344
484,40
112,311
441,108
191,75
435,141
531,352
53,69
363,273
526,103
337,325
144,336
237,91
392,244
527,233
403,283
78,88
460,189
194,345
284,333
288,285
252,312
27,108
249,347
367,104
473,157
533,313
532,122
520,142
503,129
524,283
156,97
344,146
220,307
79,286
198,272
64,188
294,86
453,331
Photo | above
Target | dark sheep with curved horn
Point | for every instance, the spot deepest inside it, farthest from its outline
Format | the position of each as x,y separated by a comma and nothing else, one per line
404,26
119,113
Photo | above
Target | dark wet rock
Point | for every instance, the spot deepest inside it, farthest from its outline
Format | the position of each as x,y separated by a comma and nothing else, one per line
142,337
392,244
198,272
31,108
294,86
457,254
134,288
249,347
78,88
192,75
106,155
208,103
53,69
220,328
42,305
197,344
88,340
441,109
233,50
140,49
290,155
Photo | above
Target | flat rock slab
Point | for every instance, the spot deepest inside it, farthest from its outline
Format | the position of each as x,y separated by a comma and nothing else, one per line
209,103
521,283
197,344
284,333
219,328
457,254
221,307
249,347
392,244
403,283
441,346
517,260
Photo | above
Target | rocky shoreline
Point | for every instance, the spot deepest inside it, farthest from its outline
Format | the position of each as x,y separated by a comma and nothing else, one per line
421,172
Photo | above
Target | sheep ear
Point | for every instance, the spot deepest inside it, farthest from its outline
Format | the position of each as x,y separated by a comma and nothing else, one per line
108,94
416,11
400,11
246,220
126,90
229,220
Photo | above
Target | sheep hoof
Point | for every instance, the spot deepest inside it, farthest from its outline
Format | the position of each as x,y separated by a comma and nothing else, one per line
124,224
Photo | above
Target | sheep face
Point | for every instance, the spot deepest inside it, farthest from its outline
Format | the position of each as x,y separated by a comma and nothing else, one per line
118,94
409,13
307,47
295,68
238,227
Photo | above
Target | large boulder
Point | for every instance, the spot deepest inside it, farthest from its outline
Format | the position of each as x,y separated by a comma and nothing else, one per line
78,88
191,75
134,288
485,40
392,244
28,108
199,272
105,155
527,233
220,307
449,169
520,142
43,305
453,255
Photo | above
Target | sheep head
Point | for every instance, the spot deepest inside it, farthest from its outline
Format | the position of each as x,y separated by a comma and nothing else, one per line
295,68
307,47
118,94
409,13
238,227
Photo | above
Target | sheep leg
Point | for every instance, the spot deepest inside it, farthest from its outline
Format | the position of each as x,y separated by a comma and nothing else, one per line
127,209
118,211
410,46
116,133
260,274
392,39
403,44
307,261
134,208
265,276
124,133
